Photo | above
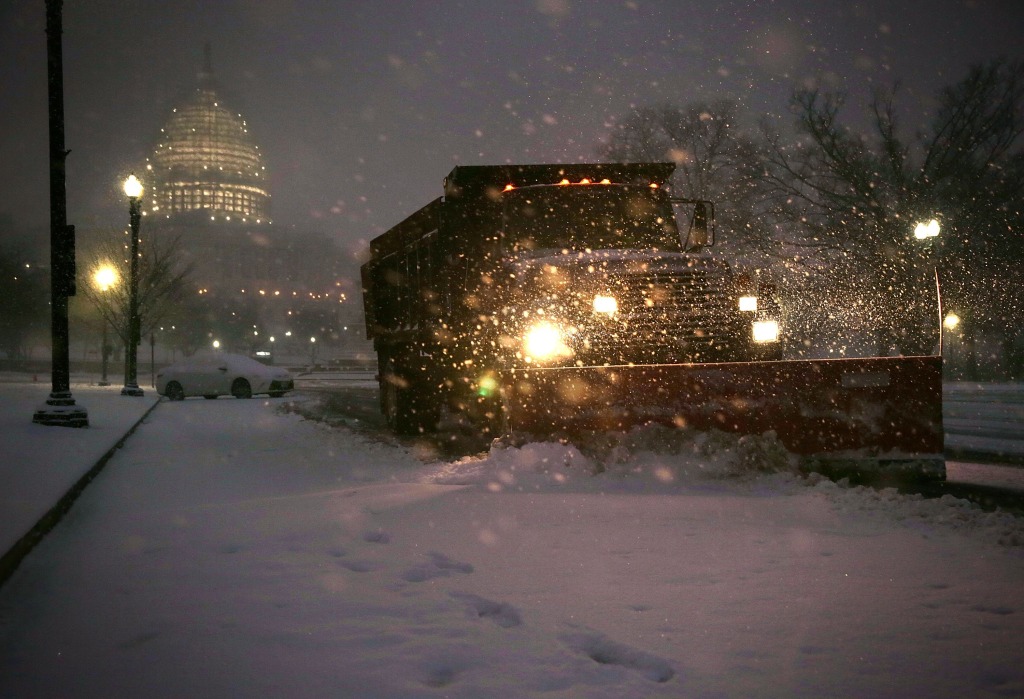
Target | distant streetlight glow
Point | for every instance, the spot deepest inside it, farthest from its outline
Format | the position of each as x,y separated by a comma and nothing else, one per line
105,278
216,344
951,321
926,230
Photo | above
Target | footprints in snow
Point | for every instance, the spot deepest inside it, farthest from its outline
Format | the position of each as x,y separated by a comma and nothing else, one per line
590,644
604,651
438,566
504,615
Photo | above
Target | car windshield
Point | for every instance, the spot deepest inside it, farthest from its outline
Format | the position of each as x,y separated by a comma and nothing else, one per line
588,217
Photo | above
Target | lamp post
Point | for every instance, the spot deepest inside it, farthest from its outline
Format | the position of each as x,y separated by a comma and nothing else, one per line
133,189
105,278
60,409
929,231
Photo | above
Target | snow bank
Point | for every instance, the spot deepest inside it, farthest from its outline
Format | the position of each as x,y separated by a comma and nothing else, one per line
657,459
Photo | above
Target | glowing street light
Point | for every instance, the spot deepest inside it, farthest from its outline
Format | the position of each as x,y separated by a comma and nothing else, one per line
105,278
924,230
951,321
133,190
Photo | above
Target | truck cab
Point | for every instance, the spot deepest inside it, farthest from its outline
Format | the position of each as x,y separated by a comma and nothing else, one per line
543,266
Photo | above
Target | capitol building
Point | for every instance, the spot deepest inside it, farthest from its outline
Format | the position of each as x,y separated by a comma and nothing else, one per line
207,189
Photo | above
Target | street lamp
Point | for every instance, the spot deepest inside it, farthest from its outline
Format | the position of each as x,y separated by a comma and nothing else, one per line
105,278
133,189
926,231
923,231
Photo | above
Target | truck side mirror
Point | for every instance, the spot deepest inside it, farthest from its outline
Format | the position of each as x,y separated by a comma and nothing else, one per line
698,236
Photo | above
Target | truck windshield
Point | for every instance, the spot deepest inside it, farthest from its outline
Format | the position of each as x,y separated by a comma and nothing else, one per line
594,217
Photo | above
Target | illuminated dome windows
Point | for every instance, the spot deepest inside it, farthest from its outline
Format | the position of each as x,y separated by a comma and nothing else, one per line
207,162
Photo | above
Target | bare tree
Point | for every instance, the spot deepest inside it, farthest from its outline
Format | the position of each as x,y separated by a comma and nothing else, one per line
163,282
851,200
715,159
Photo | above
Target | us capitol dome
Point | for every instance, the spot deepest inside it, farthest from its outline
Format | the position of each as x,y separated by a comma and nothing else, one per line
206,165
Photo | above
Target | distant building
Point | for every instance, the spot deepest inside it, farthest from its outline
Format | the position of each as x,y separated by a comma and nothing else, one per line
206,165
206,185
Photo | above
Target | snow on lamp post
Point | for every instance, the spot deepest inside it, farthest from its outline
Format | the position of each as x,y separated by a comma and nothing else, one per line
104,278
133,190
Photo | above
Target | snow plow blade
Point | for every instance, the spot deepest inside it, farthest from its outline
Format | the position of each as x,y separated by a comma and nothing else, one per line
852,417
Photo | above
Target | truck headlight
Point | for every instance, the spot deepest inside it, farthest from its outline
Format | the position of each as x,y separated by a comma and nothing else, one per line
544,341
605,305
766,331
748,303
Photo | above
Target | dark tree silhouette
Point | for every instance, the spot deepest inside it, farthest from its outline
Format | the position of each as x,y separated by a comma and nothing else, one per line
163,282
851,201
24,304
715,159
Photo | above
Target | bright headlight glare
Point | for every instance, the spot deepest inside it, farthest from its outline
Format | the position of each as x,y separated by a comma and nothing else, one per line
606,305
543,342
748,303
766,331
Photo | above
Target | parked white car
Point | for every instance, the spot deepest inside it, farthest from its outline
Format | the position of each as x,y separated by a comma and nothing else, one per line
220,374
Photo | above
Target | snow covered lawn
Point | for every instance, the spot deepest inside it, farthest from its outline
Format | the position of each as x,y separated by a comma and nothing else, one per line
233,550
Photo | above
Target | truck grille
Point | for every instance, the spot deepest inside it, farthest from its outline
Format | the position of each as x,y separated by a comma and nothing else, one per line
685,315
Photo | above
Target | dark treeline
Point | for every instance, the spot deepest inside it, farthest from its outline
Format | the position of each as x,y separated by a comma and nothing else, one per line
831,210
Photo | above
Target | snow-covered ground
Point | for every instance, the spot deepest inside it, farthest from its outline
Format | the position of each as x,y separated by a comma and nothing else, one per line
231,549
39,464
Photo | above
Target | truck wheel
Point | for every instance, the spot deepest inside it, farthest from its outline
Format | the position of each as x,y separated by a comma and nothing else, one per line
490,417
406,406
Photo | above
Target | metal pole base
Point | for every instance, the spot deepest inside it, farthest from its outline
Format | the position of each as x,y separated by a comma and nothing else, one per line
60,411
103,383
132,390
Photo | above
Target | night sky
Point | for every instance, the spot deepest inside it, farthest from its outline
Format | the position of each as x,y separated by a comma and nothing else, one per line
361,108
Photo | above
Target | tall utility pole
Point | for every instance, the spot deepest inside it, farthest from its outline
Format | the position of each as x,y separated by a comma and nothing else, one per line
60,408
133,188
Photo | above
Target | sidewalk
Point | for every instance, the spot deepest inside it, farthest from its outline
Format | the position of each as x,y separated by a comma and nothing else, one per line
42,468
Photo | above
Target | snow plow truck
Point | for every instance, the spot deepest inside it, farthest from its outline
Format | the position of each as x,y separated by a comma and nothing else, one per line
540,299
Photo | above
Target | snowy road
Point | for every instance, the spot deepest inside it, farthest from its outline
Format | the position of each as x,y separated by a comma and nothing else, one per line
232,550
984,421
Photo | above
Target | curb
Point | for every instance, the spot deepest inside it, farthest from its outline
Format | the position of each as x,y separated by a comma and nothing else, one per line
11,559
